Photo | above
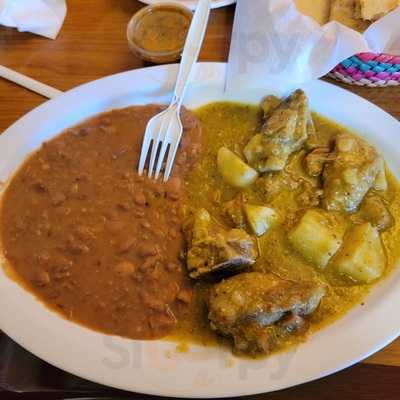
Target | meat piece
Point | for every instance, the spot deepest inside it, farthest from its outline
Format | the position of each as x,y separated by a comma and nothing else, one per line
273,185
215,249
246,307
293,178
294,323
373,209
309,196
316,160
317,139
283,133
313,140
233,210
269,104
353,172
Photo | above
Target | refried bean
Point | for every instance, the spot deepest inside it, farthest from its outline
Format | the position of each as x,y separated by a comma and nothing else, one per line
92,239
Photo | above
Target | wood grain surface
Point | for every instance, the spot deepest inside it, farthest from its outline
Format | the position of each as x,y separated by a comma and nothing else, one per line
91,45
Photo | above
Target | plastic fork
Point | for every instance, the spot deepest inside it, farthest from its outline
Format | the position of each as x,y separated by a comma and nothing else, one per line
164,131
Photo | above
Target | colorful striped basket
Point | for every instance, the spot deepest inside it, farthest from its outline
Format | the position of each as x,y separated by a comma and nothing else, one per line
369,69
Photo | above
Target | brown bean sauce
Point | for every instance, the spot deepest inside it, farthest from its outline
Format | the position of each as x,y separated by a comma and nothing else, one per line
92,239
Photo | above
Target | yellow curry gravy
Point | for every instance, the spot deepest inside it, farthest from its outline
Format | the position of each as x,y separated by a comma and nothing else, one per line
103,246
232,125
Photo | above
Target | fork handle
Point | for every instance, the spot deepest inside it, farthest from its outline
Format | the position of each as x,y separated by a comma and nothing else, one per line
191,50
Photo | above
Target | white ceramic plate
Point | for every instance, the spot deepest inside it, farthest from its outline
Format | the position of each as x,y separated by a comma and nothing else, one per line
192,3
156,367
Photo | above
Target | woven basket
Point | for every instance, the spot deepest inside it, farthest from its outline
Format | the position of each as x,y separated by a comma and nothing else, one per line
369,69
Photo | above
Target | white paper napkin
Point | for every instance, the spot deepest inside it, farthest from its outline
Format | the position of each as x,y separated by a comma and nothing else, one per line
43,17
274,45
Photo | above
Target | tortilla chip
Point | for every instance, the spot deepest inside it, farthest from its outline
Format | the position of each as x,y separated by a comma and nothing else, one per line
318,10
357,9
372,10
343,11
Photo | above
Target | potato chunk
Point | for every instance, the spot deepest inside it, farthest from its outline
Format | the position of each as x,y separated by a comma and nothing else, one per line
260,218
233,170
317,237
362,256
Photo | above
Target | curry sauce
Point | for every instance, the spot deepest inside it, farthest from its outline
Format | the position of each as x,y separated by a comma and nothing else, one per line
232,125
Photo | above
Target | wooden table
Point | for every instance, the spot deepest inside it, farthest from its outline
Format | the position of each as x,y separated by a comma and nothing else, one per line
92,45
